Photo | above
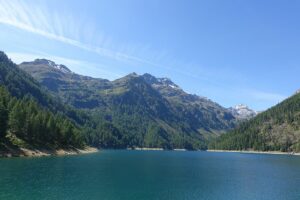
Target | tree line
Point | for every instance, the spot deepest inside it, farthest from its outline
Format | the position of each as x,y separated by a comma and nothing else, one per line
27,120
277,129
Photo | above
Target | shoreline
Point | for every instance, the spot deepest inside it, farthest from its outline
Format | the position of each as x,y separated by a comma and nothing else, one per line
145,149
256,152
24,152
153,149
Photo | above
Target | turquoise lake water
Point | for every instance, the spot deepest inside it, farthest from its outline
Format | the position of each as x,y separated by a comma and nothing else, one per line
168,175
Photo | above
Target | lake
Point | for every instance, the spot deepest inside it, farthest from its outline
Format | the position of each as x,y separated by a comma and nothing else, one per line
143,175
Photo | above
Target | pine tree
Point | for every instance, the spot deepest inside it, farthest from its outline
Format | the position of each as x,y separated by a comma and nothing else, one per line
16,119
3,120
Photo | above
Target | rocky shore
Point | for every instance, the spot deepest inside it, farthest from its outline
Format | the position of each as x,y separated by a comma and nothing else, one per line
257,152
24,152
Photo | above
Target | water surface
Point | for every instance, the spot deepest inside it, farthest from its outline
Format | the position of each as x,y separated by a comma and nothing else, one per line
143,175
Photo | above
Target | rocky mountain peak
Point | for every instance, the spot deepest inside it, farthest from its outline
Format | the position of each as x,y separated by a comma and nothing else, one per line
3,57
166,82
48,63
242,111
149,78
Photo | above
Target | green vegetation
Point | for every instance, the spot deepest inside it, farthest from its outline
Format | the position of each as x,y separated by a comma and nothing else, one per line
128,114
28,121
29,114
277,129
132,111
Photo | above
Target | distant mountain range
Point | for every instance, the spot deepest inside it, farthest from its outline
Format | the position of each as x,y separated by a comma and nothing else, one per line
146,111
142,107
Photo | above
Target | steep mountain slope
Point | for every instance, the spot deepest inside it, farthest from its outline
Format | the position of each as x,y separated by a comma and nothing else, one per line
20,84
201,113
74,89
146,111
275,129
30,115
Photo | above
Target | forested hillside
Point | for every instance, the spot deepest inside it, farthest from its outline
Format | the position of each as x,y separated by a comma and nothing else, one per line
29,117
277,129
20,84
32,125
135,110
133,114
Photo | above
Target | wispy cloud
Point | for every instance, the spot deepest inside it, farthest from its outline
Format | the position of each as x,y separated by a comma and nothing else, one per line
80,66
266,96
35,18
18,57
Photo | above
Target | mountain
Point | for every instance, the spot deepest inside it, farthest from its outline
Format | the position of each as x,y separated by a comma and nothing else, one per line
30,117
242,112
277,129
43,103
201,113
142,110
74,89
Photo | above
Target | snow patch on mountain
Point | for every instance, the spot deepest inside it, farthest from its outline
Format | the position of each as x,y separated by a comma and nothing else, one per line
52,64
159,82
242,111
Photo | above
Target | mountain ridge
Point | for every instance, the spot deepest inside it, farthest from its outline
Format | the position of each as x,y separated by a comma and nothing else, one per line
146,111
276,129
31,118
162,102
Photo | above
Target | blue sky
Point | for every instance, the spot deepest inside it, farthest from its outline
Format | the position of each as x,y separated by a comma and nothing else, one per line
243,51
